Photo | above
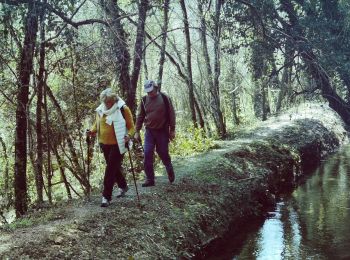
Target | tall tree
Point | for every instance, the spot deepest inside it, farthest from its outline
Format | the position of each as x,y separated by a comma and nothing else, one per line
189,63
48,142
127,81
39,133
286,81
24,71
137,59
164,41
213,78
6,179
119,38
329,31
316,71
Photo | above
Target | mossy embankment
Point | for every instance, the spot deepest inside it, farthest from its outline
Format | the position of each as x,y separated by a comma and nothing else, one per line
230,184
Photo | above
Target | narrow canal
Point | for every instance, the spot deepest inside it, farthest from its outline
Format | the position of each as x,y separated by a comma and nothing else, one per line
311,223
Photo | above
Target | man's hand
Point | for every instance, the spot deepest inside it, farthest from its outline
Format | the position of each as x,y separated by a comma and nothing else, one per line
172,135
137,137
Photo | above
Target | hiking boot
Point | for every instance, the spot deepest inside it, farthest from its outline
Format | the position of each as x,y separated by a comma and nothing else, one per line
105,202
148,183
171,175
121,192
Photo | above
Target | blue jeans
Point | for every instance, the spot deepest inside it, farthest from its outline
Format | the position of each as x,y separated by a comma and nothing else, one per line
159,139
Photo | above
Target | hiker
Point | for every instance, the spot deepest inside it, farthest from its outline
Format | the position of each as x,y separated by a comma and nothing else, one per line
157,113
114,126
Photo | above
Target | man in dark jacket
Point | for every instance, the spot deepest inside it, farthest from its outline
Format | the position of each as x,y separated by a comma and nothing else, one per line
157,113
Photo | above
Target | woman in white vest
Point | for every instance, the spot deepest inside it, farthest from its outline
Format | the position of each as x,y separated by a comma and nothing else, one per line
113,126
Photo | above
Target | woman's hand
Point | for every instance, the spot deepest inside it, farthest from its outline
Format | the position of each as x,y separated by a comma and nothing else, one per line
90,133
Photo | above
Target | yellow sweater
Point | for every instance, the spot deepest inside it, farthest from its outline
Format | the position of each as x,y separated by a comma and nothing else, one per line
106,134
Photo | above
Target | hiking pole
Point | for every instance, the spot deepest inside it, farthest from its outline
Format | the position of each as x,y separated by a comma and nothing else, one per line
133,173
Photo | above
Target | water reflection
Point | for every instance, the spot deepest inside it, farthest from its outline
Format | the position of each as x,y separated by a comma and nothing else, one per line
312,223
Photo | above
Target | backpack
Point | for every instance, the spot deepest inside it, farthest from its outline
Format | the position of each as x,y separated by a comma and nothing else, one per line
166,103
122,111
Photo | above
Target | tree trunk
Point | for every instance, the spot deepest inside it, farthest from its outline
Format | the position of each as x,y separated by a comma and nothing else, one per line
171,58
138,48
119,37
145,67
217,37
48,142
286,74
189,63
6,174
39,181
213,78
264,93
203,102
321,78
128,84
186,80
235,109
24,70
200,116
164,40
324,84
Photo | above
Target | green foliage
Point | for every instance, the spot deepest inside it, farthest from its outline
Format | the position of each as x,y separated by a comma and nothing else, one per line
190,141
25,222
36,219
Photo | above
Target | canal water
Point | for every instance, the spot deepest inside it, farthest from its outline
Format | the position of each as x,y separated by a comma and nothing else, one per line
311,223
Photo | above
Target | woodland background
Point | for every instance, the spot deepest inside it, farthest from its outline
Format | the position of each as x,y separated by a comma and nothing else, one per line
225,64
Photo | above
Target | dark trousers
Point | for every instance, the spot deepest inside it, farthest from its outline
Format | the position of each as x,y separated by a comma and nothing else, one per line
159,139
113,171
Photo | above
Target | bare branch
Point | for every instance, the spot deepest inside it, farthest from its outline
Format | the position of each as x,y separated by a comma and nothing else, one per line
256,14
7,65
57,12
160,35
171,58
60,31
